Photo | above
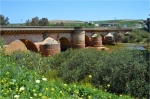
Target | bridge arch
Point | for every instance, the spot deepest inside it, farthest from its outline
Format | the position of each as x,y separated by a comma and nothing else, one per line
27,43
103,39
64,43
88,41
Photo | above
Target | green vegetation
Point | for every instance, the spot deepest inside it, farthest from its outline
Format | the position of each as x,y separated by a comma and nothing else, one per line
4,21
136,36
78,74
27,75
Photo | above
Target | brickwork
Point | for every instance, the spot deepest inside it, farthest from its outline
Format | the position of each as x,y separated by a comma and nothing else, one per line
72,37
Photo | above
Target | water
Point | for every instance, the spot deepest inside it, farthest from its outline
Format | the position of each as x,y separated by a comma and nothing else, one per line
135,46
126,45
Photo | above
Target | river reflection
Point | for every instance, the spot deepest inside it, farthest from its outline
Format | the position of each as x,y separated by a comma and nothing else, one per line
135,46
126,46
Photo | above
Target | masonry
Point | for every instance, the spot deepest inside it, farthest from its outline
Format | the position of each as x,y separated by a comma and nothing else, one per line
67,37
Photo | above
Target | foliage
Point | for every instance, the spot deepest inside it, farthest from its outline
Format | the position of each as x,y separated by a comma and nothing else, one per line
21,79
124,70
4,21
136,36
28,23
37,22
44,22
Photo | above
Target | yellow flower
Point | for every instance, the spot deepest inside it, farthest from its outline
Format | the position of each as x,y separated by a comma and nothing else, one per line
89,97
34,90
120,95
76,91
46,88
44,97
7,73
74,85
108,85
90,76
60,92
52,89
40,94
35,94
65,84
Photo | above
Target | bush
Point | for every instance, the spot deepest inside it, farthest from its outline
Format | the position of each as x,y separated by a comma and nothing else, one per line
124,70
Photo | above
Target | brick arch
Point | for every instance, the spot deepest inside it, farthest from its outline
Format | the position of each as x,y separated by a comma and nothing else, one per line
10,38
64,43
29,44
88,41
103,38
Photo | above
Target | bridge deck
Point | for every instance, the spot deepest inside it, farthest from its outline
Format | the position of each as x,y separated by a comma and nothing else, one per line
5,28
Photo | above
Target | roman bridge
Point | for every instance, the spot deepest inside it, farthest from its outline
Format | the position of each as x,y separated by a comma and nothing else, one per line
67,37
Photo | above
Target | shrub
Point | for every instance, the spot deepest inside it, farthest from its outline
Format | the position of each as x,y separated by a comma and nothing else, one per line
124,70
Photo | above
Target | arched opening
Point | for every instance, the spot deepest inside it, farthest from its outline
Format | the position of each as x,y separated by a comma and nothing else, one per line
64,43
29,45
87,41
21,44
103,39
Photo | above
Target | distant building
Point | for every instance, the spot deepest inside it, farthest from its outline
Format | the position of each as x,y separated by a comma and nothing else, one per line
96,24
109,24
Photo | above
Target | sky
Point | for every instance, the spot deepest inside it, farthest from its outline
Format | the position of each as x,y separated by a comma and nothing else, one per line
18,11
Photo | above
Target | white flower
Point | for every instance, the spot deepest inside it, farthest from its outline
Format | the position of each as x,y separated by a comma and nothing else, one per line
37,81
21,88
31,97
44,79
16,96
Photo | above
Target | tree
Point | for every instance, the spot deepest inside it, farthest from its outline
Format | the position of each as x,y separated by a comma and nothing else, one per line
28,23
3,20
148,22
35,21
44,22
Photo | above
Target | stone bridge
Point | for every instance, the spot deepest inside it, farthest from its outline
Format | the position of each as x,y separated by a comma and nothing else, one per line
67,37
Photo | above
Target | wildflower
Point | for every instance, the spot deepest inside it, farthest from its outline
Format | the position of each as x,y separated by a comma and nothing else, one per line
108,85
37,81
31,97
90,76
44,79
16,96
21,88
46,88
7,73
34,90
74,85
35,94
76,91
120,95
44,97
65,84
40,94
52,89
60,92
89,97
